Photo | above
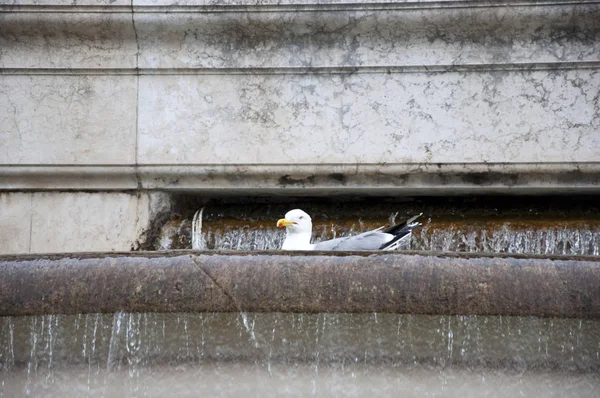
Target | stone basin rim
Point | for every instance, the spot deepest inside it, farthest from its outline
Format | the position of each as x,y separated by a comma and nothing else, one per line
273,253
309,282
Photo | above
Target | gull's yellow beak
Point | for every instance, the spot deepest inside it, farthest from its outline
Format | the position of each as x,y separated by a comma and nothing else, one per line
284,222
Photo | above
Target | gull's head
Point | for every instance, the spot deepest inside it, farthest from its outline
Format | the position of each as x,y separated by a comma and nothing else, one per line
296,221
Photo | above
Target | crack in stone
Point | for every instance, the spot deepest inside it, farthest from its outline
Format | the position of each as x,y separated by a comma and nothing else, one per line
242,313
221,288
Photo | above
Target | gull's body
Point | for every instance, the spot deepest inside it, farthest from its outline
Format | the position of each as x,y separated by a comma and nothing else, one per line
298,227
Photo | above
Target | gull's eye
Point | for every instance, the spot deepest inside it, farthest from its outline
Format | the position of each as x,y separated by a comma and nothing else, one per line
301,218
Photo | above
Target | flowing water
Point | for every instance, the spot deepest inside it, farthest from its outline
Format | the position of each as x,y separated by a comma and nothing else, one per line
275,354
287,354
572,236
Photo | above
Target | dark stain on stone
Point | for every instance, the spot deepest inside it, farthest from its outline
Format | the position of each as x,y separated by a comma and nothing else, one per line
402,178
289,180
490,178
441,177
341,178
578,176
179,286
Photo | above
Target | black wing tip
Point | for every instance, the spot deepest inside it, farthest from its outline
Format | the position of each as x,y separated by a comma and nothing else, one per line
413,218
409,225
401,231
394,241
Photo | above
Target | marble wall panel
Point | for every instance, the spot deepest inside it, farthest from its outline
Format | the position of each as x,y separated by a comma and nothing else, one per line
530,116
261,2
67,119
67,40
54,222
79,222
103,3
15,222
366,38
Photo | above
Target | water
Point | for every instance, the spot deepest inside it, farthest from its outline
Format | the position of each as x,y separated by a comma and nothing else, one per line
155,355
578,236
287,354
196,237
572,238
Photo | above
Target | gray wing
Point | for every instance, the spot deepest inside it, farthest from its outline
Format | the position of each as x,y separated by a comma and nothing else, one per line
370,240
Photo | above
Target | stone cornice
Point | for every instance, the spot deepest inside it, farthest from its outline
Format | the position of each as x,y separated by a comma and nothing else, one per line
276,6
310,179
325,70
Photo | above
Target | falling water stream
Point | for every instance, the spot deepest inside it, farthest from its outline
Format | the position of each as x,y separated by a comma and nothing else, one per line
515,231
574,238
273,354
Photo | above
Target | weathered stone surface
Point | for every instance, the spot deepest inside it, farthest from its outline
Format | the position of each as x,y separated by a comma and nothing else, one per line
74,177
354,37
15,222
67,3
67,119
46,222
67,39
315,179
541,116
402,283
288,34
207,96
354,82
87,222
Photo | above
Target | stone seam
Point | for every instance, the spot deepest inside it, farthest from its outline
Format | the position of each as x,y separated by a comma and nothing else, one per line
291,7
366,69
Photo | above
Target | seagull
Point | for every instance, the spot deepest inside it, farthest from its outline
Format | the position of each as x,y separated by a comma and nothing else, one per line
298,227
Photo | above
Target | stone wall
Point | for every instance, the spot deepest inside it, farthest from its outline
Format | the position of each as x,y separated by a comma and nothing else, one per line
46,222
309,97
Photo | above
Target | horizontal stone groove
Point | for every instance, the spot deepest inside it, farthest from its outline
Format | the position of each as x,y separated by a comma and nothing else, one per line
303,179
298,7
520,166
334,70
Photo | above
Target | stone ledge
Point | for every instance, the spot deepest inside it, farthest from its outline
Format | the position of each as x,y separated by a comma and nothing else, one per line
313,179
171,37
81,178
315,282
200,6
304,70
